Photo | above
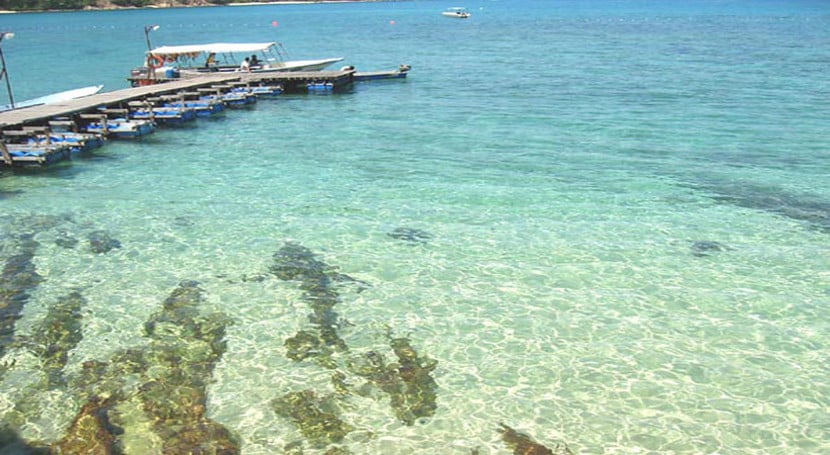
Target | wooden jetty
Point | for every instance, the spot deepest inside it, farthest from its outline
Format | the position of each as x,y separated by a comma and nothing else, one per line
35,121
44,112
291,81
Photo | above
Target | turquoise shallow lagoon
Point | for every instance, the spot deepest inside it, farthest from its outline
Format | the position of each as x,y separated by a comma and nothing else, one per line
605,224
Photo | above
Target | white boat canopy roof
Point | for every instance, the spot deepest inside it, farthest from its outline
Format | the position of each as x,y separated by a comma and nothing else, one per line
219,48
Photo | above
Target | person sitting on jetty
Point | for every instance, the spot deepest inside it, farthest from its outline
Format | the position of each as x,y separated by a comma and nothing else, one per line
254,60
211,60
245,65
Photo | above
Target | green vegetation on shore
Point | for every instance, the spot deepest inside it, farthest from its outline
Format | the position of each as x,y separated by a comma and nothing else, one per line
64,5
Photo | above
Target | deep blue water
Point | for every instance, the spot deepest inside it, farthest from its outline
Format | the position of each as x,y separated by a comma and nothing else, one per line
617,216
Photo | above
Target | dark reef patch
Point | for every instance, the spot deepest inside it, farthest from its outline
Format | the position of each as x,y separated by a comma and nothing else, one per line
91,432
167,380
319,282
64,240
186,345
17,280
408,382
410,235
101,242
58,334
811,209
522,444
701,248
313,416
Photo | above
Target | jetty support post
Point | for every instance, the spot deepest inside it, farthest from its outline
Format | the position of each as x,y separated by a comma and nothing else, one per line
7,157
3,73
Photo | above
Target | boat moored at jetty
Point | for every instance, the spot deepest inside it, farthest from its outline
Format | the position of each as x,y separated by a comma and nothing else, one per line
202,107
120,127
163,115
399,73
55,97
171,62
77,142
38,146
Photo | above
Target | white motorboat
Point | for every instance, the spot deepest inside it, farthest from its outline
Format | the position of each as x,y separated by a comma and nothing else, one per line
55,97
457,12
169,62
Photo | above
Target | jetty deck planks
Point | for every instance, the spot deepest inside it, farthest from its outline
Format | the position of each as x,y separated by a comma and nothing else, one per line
34,114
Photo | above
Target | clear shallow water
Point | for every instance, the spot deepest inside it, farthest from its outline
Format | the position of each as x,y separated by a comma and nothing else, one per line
627,207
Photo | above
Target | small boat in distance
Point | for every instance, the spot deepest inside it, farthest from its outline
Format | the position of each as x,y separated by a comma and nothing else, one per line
457,12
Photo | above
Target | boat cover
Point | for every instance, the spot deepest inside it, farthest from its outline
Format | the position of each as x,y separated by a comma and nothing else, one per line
219,48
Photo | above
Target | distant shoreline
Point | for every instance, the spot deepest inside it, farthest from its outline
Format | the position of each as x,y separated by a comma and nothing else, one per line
198,5
298,2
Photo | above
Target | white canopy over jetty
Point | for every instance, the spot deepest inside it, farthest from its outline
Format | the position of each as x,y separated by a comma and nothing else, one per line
194,50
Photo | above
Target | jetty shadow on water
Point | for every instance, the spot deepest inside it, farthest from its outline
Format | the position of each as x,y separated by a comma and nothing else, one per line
5,194
61,171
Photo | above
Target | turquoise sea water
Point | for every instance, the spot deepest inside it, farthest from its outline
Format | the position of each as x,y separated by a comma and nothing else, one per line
618,217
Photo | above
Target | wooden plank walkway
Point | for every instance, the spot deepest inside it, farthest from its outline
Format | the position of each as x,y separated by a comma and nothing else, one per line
293,81
47,111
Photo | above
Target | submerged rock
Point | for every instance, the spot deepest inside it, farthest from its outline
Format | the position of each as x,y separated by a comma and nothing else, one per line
64,240
407,382
101,242
302,345
307,411
296,262
91,432
338,381
702,248
522,444
168,380
420,392
811,208
58,334
185,346
412,390
411,235
187,294
202,437
318,280
17,280
39,222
